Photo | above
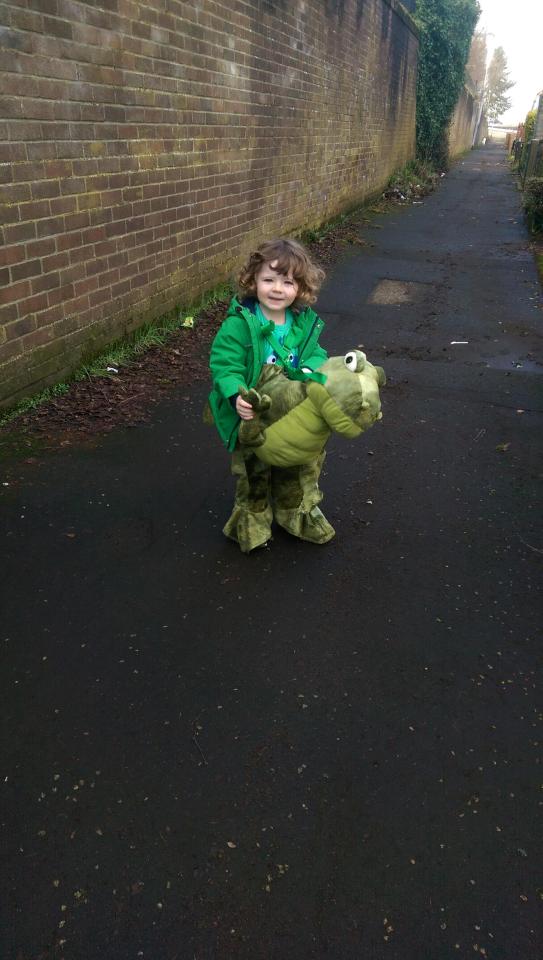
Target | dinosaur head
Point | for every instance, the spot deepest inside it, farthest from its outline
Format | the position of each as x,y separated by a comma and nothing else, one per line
353,383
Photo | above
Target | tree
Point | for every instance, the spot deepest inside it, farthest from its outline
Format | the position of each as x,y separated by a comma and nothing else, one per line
476,66
497,85
529,125
446,28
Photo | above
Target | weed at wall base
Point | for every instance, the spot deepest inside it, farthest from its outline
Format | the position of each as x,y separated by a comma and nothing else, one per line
122,352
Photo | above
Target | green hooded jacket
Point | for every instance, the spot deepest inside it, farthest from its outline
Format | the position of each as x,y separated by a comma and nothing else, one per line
238,353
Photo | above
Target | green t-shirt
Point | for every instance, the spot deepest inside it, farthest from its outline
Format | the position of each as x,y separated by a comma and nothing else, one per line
281,332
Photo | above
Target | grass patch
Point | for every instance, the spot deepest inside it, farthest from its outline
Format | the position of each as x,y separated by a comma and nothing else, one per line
30,403
123,352
317,234
415,179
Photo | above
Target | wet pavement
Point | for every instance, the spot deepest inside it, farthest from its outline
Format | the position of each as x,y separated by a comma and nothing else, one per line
312,752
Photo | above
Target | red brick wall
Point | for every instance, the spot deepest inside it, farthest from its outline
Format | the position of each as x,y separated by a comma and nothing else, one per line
146,146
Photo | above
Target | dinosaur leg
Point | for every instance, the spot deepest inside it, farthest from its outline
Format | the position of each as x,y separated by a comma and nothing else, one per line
250,521
251,431
296,496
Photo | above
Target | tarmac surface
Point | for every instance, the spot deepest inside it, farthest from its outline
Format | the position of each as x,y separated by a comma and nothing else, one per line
311,752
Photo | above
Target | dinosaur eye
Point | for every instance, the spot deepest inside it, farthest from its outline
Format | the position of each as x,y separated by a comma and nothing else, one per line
350,360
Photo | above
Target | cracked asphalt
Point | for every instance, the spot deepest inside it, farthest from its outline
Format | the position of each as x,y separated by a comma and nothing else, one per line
311,752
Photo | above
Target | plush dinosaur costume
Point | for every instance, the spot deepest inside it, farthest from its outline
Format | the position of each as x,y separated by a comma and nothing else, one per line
292,424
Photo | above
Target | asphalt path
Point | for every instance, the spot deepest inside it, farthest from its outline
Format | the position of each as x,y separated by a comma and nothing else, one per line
311,752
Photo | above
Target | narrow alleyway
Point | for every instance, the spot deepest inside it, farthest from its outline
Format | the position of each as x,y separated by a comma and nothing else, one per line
311,753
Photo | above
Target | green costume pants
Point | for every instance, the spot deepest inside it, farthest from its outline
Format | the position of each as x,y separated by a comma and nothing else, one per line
290,495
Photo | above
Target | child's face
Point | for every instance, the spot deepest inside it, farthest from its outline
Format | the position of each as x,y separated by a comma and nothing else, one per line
274,291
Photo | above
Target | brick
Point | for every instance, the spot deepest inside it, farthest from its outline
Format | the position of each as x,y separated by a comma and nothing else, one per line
74,272
13,193
62,328
14,292
108,278
60,295
117,260
19,328
100,296
78,305
81,254
33,304
85,168
45,188
35,210
85,286
27,171
139,281
95,266
41,151
56,261
49,7
50,226
11,107
10,349
40,248
62,205
30,268
93,234
36,339
72,185
10,213
105,248
55,131
57,28
118,290
69,241
8,314
58,168
76,221
67,150
9,255
47,282
49,316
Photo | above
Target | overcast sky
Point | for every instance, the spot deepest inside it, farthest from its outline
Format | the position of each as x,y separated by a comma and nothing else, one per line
517,26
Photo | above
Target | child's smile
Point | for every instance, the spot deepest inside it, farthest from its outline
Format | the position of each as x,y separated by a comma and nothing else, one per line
275,292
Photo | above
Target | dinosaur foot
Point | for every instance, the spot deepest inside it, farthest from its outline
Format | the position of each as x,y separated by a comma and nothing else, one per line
259,402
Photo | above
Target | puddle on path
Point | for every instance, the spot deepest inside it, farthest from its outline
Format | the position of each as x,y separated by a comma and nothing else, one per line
399,291
514,364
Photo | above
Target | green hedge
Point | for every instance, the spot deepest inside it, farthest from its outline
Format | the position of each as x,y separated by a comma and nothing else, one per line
446,29
533,203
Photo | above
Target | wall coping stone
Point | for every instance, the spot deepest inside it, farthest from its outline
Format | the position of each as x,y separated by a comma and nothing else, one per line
403,13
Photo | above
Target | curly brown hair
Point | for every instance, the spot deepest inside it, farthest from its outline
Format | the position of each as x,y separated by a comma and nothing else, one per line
286,255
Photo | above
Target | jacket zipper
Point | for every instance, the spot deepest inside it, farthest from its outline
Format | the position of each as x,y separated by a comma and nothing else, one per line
308,338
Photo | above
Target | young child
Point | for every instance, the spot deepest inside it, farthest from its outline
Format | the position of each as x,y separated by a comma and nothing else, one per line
270,323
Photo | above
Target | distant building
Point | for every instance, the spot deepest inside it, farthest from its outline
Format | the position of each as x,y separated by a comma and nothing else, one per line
499,131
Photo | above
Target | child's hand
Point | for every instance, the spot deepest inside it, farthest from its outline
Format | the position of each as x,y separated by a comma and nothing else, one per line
244,409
